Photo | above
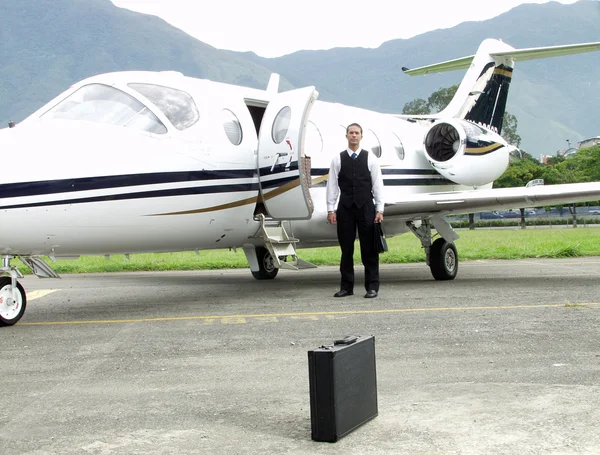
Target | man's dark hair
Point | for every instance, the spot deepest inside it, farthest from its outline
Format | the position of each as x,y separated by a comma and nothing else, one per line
354,124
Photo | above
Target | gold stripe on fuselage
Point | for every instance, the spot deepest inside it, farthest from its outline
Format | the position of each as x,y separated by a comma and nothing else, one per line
230,205
483,150
251,200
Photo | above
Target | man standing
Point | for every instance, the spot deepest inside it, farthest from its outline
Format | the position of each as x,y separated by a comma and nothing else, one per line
355,177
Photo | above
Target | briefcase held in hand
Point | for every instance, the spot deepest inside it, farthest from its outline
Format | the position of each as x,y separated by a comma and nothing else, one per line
380,242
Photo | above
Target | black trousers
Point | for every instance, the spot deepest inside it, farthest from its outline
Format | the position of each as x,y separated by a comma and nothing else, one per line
349,220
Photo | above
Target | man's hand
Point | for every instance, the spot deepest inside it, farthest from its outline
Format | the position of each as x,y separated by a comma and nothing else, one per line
331,218
378,217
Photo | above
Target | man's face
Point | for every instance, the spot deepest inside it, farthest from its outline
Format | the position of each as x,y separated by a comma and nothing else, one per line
354,135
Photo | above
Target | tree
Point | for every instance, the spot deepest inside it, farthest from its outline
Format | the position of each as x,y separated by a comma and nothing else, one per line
436,102
509,129
583,166
417,106
554,160
520,172
586,162
441,98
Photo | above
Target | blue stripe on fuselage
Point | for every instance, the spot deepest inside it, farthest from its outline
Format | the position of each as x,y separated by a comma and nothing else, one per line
49,187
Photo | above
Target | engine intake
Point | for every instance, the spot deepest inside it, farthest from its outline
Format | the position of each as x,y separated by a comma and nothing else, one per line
443,141
466,153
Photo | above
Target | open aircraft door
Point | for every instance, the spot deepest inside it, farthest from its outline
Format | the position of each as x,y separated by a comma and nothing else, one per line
283,168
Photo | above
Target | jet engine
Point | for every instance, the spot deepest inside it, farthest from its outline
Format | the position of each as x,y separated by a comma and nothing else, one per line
466,153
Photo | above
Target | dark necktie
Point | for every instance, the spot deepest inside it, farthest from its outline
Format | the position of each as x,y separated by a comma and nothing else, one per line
353,156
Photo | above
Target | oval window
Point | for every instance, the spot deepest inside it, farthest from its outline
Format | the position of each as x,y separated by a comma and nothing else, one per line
371,143
313,144
281,125
398,146
232,127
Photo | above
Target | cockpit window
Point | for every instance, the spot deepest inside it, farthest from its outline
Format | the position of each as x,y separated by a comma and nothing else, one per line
178,106
103,104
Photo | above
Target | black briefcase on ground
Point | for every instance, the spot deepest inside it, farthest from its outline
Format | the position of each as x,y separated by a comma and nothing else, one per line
343,387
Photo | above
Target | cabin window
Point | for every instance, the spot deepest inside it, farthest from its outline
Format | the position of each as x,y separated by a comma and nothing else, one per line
103,104
398,146
281,125
232,127
178,106
313,144
371,143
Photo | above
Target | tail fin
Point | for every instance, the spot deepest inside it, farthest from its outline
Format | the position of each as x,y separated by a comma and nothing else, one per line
482,94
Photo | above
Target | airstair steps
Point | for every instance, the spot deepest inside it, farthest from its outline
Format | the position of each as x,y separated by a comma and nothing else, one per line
281,246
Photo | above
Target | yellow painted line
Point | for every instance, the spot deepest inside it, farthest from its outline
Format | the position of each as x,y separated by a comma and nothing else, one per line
311,315
487,263
558,264
39,293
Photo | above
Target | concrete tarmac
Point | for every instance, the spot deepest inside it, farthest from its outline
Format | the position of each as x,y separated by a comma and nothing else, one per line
503,360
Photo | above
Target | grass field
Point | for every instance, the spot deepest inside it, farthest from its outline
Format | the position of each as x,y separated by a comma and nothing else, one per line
477,244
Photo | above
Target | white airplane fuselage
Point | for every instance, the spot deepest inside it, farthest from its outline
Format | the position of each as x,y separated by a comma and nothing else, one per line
79,187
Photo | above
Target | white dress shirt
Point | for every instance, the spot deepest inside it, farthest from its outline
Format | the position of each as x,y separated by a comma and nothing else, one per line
333,189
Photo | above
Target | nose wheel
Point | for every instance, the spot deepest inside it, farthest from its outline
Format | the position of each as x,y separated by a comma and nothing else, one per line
267,269
12,303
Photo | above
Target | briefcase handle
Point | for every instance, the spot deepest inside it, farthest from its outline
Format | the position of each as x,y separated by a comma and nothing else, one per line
345,341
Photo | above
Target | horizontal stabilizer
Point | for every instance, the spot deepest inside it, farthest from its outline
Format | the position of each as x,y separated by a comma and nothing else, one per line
516,55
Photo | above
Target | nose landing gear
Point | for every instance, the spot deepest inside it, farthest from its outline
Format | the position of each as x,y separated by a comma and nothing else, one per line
13,299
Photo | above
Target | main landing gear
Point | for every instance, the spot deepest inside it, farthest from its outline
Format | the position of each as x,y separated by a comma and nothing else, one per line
443,260
13,299
441,255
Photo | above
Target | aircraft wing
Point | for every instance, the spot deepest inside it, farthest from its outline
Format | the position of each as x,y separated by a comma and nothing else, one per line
460,202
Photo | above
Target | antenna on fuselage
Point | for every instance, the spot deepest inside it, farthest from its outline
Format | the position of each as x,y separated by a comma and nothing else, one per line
273,85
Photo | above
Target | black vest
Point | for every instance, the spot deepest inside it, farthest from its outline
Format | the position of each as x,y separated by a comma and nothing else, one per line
354,180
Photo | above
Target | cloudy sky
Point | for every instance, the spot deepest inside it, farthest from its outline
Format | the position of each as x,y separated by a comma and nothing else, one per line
272,28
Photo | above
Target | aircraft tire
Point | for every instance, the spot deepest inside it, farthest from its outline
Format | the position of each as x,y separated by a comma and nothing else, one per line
11,315
267,271
443,260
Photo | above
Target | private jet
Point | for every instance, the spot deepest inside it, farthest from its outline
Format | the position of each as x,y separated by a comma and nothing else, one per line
133,162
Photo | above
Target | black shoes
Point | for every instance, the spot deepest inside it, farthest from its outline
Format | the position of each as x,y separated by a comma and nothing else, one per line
343,293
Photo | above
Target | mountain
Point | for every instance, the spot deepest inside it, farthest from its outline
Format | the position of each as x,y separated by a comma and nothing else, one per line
554,99
47,45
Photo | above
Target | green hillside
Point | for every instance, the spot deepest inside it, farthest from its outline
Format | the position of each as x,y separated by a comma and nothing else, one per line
47,45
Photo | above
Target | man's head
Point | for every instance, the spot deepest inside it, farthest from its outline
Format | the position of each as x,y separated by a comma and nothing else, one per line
353,135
